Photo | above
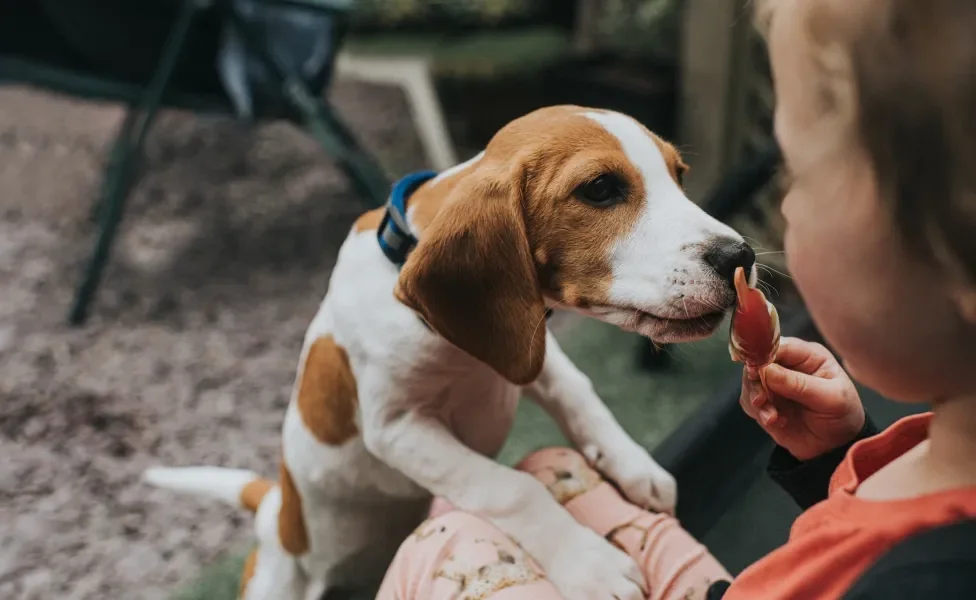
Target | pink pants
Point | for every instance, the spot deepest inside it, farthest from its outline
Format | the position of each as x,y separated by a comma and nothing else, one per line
458,555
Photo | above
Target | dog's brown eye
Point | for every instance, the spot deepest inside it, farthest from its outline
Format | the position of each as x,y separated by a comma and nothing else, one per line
605,190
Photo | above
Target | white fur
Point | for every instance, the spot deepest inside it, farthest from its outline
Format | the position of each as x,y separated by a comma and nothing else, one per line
211,482
456,168
422,434
277,574
567,394
432,419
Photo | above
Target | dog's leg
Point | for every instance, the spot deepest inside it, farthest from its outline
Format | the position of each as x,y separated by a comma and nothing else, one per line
422,448
271,574
567,394
315,590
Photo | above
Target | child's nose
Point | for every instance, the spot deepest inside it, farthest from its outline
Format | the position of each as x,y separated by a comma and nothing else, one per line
726,254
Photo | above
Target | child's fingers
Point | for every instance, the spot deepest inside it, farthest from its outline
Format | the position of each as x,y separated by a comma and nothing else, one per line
803,356
764,409
767,415
809,391
753,400
747,397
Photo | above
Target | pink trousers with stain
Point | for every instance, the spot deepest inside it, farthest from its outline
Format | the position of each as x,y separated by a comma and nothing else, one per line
458,555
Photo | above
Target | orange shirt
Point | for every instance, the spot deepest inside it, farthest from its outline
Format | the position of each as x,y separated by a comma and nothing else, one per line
835,541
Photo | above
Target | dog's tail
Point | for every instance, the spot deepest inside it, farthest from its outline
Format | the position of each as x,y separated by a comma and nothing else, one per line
237,487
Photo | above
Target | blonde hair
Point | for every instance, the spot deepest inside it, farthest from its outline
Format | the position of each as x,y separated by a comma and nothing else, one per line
902,71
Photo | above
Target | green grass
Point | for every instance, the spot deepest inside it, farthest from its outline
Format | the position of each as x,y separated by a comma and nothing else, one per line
649,405
219,581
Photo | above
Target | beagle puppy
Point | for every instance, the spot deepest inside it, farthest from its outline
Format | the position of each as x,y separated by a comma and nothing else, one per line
434,325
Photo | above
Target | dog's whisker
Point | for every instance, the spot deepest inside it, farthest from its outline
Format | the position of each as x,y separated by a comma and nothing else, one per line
713,304
767,288
708,303
756,244
678,347
772,270
763,286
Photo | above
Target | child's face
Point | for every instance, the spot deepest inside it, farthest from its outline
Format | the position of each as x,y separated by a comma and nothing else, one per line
891,317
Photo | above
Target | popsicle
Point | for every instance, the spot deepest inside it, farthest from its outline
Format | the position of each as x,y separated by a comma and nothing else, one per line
754,334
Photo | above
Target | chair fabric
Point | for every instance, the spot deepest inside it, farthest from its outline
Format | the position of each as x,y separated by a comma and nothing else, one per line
302,38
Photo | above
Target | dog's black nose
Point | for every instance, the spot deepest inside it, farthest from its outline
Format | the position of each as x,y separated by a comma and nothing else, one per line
726,254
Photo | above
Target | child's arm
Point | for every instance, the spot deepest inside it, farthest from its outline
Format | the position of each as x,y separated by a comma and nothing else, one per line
809,405
807,481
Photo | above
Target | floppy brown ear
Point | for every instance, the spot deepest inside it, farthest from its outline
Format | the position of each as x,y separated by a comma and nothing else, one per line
472,279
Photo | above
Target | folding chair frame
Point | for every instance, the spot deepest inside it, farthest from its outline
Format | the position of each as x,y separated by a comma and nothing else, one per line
306,107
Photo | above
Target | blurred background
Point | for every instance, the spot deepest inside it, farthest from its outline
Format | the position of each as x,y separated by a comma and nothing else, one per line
176,178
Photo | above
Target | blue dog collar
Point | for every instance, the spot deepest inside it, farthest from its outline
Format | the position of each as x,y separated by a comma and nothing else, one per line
394,235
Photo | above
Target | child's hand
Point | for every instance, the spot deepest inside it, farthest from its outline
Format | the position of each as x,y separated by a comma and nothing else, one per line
814,406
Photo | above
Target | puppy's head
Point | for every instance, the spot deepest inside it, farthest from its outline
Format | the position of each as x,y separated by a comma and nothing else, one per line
576,208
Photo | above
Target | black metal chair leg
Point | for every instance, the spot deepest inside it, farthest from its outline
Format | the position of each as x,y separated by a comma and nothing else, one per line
321,120
118,182
359,166
323,123
114,168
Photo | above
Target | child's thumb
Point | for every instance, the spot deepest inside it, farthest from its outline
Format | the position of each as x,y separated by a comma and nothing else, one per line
799,387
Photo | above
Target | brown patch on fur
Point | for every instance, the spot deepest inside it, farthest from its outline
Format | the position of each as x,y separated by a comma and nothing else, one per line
327,393
254,492
250,565
369,221
509,231
291,520
471,279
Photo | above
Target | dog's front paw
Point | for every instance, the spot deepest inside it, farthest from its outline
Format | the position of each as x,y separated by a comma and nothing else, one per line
643,481
587,567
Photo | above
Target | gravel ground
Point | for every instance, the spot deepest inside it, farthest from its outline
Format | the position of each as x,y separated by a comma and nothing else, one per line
191,349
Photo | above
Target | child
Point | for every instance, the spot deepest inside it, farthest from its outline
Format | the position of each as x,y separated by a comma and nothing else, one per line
876,118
